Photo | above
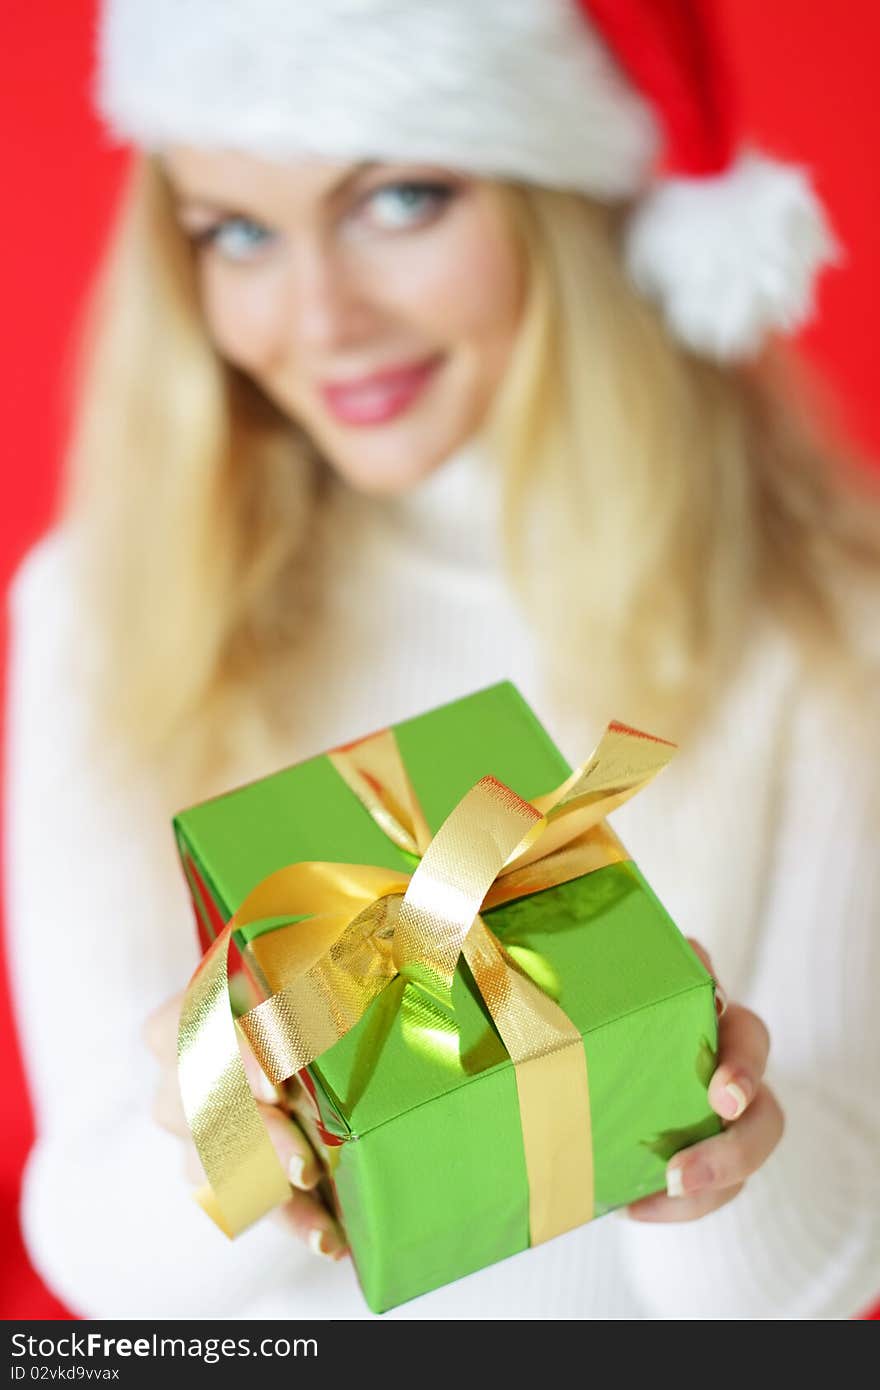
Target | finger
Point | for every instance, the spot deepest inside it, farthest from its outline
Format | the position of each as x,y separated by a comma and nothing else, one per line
660,1208
159,1031
257,1079
309,1220
305,1214
302,1108
296,1154
721,1000
299,1103
192,1165
296,1096
167,1106
160,1034
288,1141
294,1151
743,1047
290,1144
733,1155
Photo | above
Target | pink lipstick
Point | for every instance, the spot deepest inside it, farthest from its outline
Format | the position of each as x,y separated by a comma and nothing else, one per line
374,399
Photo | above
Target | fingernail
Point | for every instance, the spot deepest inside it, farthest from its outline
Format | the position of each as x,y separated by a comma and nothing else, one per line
690,1176
733,1100
720,1001
674,1183
264,1089
325,1243
296,1171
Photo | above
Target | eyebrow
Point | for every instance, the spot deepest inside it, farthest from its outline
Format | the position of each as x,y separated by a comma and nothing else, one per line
218,205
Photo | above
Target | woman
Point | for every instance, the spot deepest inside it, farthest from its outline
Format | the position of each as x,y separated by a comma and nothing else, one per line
426,425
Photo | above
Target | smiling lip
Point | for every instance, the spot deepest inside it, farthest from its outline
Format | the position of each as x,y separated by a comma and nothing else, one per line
371,400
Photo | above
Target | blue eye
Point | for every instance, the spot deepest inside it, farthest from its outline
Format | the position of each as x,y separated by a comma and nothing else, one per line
235,247
401,205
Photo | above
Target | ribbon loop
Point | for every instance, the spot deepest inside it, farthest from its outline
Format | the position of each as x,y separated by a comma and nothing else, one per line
487,827
315,1009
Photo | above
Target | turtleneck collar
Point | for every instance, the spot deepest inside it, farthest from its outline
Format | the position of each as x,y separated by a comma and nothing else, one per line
450,517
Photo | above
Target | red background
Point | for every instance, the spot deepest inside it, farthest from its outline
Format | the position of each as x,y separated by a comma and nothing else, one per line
808,76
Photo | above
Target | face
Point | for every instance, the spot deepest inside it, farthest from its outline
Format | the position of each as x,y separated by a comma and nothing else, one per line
376,304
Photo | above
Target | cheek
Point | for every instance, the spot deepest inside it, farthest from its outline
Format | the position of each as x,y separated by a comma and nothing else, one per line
464,284
242,314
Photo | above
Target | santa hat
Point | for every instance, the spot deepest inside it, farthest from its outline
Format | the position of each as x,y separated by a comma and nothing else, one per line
621,99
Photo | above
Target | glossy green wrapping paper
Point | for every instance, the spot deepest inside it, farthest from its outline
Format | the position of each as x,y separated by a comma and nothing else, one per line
430,1175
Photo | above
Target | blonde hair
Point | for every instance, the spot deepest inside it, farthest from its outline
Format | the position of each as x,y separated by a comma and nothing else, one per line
682,497
677,497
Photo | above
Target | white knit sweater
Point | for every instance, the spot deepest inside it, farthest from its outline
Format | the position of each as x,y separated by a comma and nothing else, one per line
762,839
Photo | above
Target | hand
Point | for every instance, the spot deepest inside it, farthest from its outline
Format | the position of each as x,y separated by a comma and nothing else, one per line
711,1173
305,1215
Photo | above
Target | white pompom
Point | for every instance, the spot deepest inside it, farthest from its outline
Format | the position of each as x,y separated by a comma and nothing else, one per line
733,256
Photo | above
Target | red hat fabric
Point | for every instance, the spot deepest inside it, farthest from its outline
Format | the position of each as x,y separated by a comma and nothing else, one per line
619,99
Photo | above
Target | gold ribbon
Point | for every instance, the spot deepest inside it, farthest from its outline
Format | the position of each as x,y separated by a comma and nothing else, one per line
365,925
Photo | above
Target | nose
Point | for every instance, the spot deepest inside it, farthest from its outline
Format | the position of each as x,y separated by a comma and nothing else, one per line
329,304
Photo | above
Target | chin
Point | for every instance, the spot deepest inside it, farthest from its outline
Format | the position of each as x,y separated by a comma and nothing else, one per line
390,465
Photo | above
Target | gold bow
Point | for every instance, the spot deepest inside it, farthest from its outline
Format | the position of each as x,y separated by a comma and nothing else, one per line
365,925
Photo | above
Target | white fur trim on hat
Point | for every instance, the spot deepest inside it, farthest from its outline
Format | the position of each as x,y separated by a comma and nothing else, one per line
518,88
733,255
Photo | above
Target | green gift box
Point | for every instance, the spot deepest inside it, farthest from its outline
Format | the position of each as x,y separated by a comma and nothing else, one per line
418,1104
